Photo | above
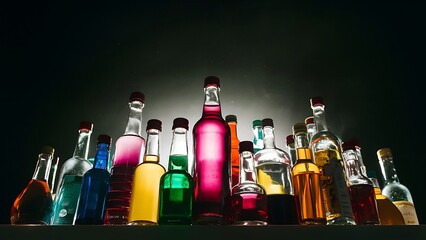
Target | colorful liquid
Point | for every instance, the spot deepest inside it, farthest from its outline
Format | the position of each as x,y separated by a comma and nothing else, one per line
235,155
282,209
66,200
364,205
249,209
389,213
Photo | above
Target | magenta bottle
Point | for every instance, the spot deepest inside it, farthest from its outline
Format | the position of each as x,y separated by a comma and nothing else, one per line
129,151
212,168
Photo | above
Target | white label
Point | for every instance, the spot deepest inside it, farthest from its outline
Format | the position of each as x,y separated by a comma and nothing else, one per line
408,212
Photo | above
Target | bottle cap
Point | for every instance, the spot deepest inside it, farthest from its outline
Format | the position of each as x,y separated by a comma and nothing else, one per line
317,101
299,128
103,138
289,139
257,123
180,123
47,149
267,122
137,96
231,118
309,120
245,146
86,125
154,124
384,152
211,80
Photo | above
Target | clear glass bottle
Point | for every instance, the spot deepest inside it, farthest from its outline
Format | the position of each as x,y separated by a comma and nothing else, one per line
129,151
361,189
143,208
212,153
326,147
398,193
248,200
94,187
310,125
177,185
34,204
235,156
273,166
70,178
306,181
52,175
257,135
289,141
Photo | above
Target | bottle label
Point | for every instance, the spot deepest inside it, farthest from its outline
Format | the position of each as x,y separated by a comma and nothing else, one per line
408,212
66,201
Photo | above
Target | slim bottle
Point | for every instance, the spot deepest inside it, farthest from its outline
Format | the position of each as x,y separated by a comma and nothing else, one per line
95,185
248,200
398,193
257,135
70,178
326,148
273,167
143,208
177,185
129,150
235,156
361,189
34,204
310,125
212,168
52,175
289,141
306,181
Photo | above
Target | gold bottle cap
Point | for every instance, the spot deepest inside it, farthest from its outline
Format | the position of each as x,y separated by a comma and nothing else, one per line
47,149
384,152
299,127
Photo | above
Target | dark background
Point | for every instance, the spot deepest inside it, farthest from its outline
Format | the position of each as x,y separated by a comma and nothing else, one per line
63,62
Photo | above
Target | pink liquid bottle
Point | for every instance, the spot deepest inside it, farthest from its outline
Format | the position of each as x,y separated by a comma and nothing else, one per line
212,168
129,151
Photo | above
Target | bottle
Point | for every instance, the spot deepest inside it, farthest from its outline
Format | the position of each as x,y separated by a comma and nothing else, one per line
248,199
212,153
94,187
398,193
177,185
34,204
273,166
52,175
235,156
389,213
306,181
70,178
310,125
361,189
143,208
289,140
257,135
129,150
326,148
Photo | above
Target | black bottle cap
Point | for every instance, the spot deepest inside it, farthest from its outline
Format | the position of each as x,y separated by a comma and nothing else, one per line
267,122
289,139
154,124
350,144
309,120
137,96
256,123
47,149
299,128
86,125
315,101
211,80
103,138
245,146
180,122
231,118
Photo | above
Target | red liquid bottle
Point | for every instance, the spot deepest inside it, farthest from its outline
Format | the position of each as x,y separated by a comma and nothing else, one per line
212,168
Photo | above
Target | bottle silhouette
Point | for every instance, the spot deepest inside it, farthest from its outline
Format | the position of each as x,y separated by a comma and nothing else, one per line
235,156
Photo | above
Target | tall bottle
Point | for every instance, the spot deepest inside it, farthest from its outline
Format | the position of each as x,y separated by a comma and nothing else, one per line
94,187
34,204
143,208
235,156
398,193
70,178
129,150
326,148
310,126
306,181
248,200
361,189
212,152
177,185
273,166
289,141
257,135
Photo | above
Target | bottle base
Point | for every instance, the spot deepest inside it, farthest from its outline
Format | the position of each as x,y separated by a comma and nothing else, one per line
341,221
142,223
250,223
209,220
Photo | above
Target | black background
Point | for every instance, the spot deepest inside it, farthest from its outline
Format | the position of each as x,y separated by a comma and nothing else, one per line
63,62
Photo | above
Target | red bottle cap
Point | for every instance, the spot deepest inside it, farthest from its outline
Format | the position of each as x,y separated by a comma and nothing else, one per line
309,120
231,118
180,122
154,124
267,122
137,96
350,144
289,139
103,138
211,80
245,146
86,125
317,101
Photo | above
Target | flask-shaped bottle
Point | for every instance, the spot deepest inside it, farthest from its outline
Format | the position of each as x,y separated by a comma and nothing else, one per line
235,156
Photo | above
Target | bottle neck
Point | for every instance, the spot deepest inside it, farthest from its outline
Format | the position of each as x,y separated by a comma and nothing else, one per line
81,150
42,169
233,127
268,137
211,101
319,118
292,151
258,138
134,124
178,159
311,130
102,156
152,150
352,164
301,144
247,170
388,170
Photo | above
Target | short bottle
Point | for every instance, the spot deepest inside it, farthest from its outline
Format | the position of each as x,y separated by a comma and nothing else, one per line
398,193
70,178
34,204
248,199
235,156
95,186
257,135
289,141
146,181
177,185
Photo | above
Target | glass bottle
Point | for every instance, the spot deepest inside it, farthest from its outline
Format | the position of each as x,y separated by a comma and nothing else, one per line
398,193
52,175
235,156
70,178
361,189
94,187
34,204
248,199
306,181
326,148
289,141
212,168
257,135
129,150
143,208
273,166
177,185
310,125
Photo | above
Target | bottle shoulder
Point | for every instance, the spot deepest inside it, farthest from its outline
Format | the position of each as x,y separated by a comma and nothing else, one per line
325,139
75,166
397,192
177,173
271,155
